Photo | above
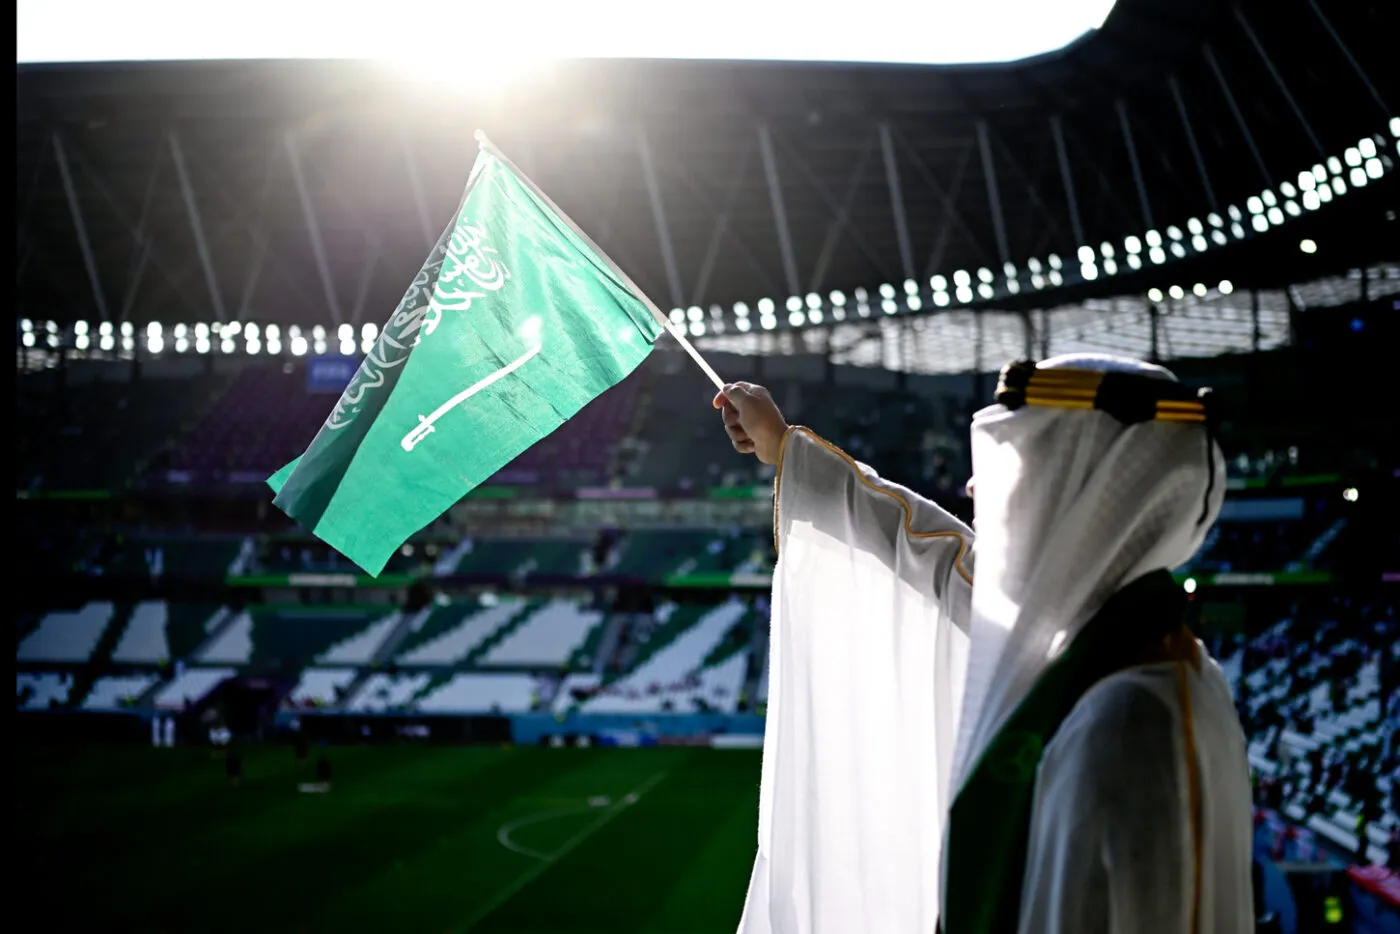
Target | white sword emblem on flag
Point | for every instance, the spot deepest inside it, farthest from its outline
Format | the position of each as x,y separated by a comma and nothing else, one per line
425,422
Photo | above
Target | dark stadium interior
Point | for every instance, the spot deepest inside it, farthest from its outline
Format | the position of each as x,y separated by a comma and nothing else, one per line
226,724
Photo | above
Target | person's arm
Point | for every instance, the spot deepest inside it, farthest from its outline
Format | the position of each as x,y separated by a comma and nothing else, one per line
823,488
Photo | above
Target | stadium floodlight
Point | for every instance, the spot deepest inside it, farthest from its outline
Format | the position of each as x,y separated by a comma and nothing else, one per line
1189,585
1195,226
1269,198
677,315
1219,237
1290,207
226,346
913,302
1106,250
796,318
695,313
1358,177
742,324
27,338
985,290
1089,271
1176,292
1157,255
1198,243
1037,281
1234,212
766,306
1014,286
298,346
1339,186
369,332
1254,205
964,294
346,332
1009,269
863,310
1132,244
1226,287
794,303
106,343
1374,168
1308,246
1395,127
1134,261
1153,238
1177,249
697,329
1200,289
888,306
319,347
1086,254
838,298
768,322
911,287
1352,156
1237,229
250,331
1311,201
1260,222
1055,262
1287,190
347,348
814,315
80,327
814,300
318,333
201,331
181,345
1334,165
838,314
1033,265
940,284
155,343
201,345
129,344
366,345
253,347
26,325
104,328
51,327
886,290
152,329
1056,278
1215,220
985,275
1110,267
272,332
741,310
1351,494
941,299
962,278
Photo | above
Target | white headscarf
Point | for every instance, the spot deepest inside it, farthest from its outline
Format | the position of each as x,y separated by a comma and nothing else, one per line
1071,506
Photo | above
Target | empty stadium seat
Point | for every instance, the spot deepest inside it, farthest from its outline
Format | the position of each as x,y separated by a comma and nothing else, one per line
482,693
116,693
42,690
547,638
190,687
67,635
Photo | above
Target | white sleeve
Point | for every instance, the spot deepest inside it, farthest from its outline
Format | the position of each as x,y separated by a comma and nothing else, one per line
1110,845
867,659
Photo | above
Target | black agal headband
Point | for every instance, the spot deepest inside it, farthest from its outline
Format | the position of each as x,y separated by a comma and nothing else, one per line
1131,398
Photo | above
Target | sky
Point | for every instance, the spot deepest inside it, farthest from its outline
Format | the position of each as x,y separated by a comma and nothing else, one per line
463,36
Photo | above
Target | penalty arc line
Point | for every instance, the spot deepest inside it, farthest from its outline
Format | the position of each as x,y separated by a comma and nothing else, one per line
545,862
503,835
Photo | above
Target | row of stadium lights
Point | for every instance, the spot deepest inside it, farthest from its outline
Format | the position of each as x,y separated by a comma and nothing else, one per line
1357,167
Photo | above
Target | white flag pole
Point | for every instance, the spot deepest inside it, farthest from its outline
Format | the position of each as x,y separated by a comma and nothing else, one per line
661,318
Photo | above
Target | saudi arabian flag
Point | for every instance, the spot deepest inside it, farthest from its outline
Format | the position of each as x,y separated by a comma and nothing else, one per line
514,323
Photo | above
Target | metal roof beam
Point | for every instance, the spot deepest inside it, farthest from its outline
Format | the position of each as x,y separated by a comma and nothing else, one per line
192,210
775,194
1191,139
134,277
842,220
1127,129
1355,65
658,214
318,246
1239,117
1067,177
707,265
1278,80
80,226
420,203
901,224
989,177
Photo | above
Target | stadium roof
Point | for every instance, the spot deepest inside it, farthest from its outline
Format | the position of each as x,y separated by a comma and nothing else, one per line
307,192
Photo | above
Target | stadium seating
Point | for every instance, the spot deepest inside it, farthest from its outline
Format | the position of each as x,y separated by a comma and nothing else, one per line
117,693
382,692
362,647
66,636
452,633
42,690
144,640
482,693
191,686
547,638
320,687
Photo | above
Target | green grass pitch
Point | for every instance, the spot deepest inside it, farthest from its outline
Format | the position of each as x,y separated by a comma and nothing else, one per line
408,840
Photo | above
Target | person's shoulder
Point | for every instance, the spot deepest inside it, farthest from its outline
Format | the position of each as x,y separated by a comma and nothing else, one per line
1123,710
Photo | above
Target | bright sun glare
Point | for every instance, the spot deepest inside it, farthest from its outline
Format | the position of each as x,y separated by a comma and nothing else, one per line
463,39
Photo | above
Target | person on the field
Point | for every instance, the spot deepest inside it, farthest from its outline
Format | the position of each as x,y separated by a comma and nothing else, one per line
1041,748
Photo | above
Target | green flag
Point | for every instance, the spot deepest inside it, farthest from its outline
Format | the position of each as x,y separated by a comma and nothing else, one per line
514,323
